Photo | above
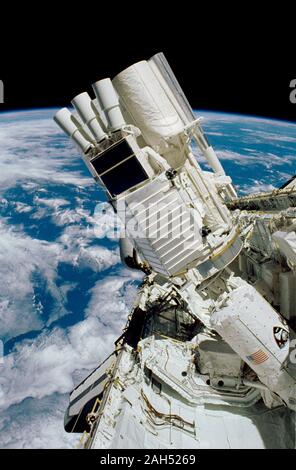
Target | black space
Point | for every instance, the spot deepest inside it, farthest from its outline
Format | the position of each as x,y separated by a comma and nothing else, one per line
242,62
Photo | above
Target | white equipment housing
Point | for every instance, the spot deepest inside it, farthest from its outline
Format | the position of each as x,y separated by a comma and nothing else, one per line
206,350
167,232
260,337
147,103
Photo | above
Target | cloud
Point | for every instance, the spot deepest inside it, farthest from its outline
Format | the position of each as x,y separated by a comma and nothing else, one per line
69,216
269,136
54,203
37,424
20,207
45,365
82,249
38,374
61,215
21,258
258,187
265,159
217,118
98,258
27,264
112,299
36,150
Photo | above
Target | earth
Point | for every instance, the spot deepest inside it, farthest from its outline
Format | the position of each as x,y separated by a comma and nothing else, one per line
64,295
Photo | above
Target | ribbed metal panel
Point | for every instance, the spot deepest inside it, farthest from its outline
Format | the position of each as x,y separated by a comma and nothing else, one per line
168,233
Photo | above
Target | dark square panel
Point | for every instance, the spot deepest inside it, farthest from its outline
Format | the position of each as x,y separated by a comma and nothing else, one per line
124,176
112,156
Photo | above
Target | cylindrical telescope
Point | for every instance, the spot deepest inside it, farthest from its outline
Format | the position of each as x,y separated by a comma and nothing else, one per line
213,160
83,105
108,100
147,103
208,152
71,127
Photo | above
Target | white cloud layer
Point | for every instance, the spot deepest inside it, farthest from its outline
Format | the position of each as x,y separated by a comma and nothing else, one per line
20,258
44,369
23,257
36,424
29,151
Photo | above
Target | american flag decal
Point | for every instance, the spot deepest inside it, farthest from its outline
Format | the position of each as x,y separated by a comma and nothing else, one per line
258,357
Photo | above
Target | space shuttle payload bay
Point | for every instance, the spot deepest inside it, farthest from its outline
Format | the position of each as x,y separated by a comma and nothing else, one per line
206,359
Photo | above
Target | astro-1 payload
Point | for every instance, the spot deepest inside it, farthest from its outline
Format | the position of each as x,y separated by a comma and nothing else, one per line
209,342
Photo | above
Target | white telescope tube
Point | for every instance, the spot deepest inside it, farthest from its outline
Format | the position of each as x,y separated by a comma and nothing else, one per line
208,152
108,100
83,105
213,160
147,103
70,126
